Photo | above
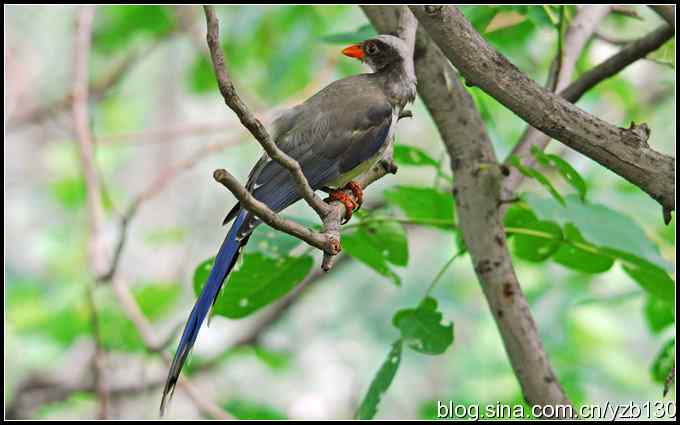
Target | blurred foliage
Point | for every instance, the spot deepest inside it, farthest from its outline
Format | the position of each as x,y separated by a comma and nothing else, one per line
576,235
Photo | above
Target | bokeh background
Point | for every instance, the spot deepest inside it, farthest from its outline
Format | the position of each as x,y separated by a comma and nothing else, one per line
156,114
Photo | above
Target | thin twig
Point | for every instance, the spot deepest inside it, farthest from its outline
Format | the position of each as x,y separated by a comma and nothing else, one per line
98,360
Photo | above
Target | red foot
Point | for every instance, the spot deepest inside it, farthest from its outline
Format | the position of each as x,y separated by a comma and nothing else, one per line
347,201
357,191
340,195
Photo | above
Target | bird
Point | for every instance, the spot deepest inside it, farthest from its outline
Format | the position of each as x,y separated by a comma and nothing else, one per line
335,135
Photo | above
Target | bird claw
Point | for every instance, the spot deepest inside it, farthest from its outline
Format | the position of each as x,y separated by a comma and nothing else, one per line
349,203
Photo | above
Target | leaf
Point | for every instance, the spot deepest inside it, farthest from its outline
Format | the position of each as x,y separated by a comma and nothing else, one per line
422,330
581,255
600,225
155,299
411,155
377,244
479,16
424,204
650,277
117,26
362,33
664,361
381,382
248,410
564,168
533,239
538,176
200,76
69,191
272,242
658,313
259,281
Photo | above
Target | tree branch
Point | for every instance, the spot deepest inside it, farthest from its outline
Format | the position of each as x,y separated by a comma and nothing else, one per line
624,151
330,214
577,35
477,177
632,52
667,12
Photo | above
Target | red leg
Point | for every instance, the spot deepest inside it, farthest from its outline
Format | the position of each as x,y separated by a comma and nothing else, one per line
340,195
357,191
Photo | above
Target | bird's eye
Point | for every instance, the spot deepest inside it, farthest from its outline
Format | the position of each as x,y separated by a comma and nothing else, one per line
371,49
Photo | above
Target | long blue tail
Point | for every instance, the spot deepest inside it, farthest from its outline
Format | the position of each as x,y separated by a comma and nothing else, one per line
224,262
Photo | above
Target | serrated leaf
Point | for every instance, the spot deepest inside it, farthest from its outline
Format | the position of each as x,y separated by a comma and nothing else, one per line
377,244
381,382
564,168
658,313
538,176
259,281
421,328
664,361
427,205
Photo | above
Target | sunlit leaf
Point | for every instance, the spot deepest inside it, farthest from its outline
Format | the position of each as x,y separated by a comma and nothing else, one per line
658,313
422,329
377,244
259,281
381,382
425,205
117,26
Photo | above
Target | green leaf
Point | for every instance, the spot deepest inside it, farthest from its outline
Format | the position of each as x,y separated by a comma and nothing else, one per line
533,239
581,255
117,26
156,299
243,409
664,361
564,168
650,277
423,204
600,225
538,176
69,191
272,242
259,281
377,244
164,236
411,155
362,33
381,382
658,313
422,330
479,16
201,77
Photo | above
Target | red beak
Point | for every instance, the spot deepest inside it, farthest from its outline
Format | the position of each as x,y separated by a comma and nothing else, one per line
354,51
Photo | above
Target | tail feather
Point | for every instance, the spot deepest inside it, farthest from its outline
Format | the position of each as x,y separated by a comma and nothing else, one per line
224,262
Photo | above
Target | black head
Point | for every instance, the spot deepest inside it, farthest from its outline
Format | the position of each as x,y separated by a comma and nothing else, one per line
379,52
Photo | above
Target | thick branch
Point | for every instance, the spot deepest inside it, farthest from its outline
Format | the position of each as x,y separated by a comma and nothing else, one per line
624,151
577,35
477,179
667,12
